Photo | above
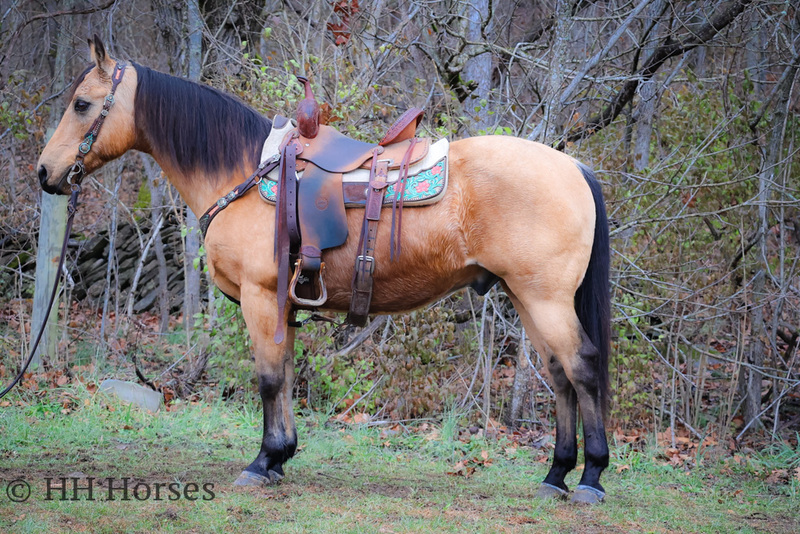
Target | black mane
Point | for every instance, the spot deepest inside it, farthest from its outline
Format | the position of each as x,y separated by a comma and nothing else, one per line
196,127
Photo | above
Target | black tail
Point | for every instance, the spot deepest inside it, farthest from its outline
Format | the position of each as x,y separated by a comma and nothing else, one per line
593,298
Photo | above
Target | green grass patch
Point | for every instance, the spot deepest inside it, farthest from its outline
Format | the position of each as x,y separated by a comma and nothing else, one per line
346,479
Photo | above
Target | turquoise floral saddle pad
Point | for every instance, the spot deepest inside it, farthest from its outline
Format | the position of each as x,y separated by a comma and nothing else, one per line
426,182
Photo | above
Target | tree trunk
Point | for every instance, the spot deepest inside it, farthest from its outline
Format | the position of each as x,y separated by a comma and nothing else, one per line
157,189
755,356
192,244
51,235
770,169
522,385
558,56
648,99
478,70
200,356
111,263
754,54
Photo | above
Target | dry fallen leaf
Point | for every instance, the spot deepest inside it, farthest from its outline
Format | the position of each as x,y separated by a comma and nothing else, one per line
361,418
462,469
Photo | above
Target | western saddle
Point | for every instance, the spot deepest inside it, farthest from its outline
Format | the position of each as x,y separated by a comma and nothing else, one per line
310,212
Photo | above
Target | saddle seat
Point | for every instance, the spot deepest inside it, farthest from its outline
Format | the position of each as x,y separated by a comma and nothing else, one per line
334,152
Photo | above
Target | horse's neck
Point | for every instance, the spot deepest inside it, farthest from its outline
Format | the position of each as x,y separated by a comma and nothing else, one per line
200,190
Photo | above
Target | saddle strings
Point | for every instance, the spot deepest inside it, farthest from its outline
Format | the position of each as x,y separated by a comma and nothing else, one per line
397,202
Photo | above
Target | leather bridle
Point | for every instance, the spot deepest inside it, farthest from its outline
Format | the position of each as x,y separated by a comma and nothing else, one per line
78,169
75,174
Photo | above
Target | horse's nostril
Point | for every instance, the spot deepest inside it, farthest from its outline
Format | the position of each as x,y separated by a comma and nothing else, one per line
42,174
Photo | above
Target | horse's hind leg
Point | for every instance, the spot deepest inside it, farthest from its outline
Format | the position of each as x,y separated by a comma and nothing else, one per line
565,455
585,377
275,372
572,362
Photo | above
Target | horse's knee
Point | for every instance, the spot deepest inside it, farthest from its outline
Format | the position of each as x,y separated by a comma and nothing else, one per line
271,383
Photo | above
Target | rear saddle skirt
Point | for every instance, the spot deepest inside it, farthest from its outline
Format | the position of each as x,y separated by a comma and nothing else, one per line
426,182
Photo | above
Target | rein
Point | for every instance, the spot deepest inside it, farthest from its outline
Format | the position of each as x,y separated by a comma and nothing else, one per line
76,172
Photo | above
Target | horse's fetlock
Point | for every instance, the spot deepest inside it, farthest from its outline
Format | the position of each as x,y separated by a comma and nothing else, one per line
598,458
566,459
277,449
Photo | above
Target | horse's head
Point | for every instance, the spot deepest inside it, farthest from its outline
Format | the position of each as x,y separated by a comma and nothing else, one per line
71,153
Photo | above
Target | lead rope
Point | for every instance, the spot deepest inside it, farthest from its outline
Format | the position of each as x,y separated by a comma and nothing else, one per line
72,207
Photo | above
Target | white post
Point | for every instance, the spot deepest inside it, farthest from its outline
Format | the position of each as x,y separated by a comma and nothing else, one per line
52,225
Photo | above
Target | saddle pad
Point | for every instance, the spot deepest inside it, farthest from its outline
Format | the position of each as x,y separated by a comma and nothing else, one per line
426,182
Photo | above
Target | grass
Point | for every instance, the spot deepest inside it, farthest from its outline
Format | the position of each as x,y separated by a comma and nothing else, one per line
349,479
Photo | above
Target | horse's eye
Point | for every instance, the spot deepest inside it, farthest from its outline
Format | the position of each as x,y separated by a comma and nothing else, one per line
81,106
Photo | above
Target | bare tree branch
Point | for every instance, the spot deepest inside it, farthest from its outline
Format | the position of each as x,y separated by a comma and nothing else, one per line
693,37
50,15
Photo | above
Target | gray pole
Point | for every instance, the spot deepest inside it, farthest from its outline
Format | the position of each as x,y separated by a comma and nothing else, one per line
52,225
191,274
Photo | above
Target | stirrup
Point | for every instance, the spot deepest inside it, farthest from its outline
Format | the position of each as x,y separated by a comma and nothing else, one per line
298,268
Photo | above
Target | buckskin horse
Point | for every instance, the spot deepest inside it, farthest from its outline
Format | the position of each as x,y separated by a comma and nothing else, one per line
514,212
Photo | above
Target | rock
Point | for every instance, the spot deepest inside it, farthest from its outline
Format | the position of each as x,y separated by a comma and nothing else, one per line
143,397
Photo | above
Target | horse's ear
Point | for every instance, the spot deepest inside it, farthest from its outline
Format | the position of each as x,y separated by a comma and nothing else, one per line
103,61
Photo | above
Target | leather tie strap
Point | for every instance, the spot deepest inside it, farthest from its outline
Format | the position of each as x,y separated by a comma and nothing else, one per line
397,202
285,225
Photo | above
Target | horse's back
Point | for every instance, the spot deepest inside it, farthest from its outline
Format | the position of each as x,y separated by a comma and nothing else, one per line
499,164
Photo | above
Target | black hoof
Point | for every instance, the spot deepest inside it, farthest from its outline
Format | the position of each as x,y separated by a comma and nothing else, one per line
588,495
549,491
248,478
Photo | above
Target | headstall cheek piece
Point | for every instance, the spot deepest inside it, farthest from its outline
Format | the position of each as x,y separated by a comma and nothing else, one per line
78,169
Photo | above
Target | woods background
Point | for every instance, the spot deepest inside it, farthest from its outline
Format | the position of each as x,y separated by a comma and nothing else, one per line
687,111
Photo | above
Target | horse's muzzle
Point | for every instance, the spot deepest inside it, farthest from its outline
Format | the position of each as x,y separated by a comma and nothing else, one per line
57,189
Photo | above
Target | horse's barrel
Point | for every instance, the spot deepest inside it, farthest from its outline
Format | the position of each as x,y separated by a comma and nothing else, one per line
307,112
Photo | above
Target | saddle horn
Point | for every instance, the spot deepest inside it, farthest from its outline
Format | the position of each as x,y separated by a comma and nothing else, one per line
308,112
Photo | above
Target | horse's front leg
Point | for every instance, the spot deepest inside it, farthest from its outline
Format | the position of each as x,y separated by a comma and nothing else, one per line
275,372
